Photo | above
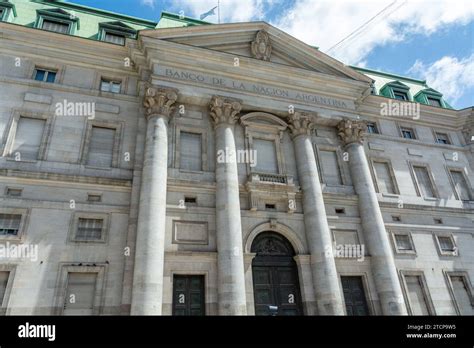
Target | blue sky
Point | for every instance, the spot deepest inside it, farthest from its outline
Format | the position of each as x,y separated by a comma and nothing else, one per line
425,39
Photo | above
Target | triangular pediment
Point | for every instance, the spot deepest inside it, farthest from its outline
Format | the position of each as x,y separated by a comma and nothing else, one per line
260,41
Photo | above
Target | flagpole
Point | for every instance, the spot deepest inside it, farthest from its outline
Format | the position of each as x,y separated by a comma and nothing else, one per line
218,12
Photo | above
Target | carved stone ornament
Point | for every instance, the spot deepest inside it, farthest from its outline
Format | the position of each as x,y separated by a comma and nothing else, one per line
351,131
261,47
300,124
159,101
224,110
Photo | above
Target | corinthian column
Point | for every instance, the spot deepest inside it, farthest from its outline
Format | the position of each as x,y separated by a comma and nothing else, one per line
147,292
325,278
230,261
381,257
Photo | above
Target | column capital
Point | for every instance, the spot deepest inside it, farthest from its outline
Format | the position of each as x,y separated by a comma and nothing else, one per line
300,123
351,131
159,101
224,110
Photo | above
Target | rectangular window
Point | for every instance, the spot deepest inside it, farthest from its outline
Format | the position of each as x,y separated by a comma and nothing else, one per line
94,198
354,295
372,128
45,75
403,242
28,136
423,179
400,95
188,295
266,158
460,185
110,86
9,224
80,293
446,244
14,192
2,11
3,285
330,167
190,156
384,178
55,26
462,295
434,102
408,133
442,138
114,38
89,229
416,296
342,237
101,147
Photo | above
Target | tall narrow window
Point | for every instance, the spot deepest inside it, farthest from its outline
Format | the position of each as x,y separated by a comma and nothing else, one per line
190,156
101,147
80,293
461,295
423,179
416,295
266,156
385,183
3,285
28,136
460,185
9,224
55,26
330,167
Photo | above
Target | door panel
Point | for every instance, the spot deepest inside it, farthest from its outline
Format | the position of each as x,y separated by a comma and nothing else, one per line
188,295
354,296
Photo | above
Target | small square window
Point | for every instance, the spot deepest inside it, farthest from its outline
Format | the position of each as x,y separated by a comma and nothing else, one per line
9,224
270,206
403,242
396,218
110,86
190,201
14,192
442,138
45,75
438,221
340,210
94,197
434,101
372,128
89,229
400,95
408,133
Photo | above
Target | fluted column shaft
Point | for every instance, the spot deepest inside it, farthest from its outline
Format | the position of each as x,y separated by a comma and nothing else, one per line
325,278
230,262
381,257
147,292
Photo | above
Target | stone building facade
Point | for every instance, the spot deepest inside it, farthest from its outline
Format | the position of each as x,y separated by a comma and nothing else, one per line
181,168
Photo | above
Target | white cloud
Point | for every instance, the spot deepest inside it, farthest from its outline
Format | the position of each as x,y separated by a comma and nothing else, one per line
323,23
449,75
150,3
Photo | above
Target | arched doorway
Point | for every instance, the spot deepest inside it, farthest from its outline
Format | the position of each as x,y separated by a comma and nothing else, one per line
275,276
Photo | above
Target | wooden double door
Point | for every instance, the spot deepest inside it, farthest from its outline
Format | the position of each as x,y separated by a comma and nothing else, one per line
275,276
